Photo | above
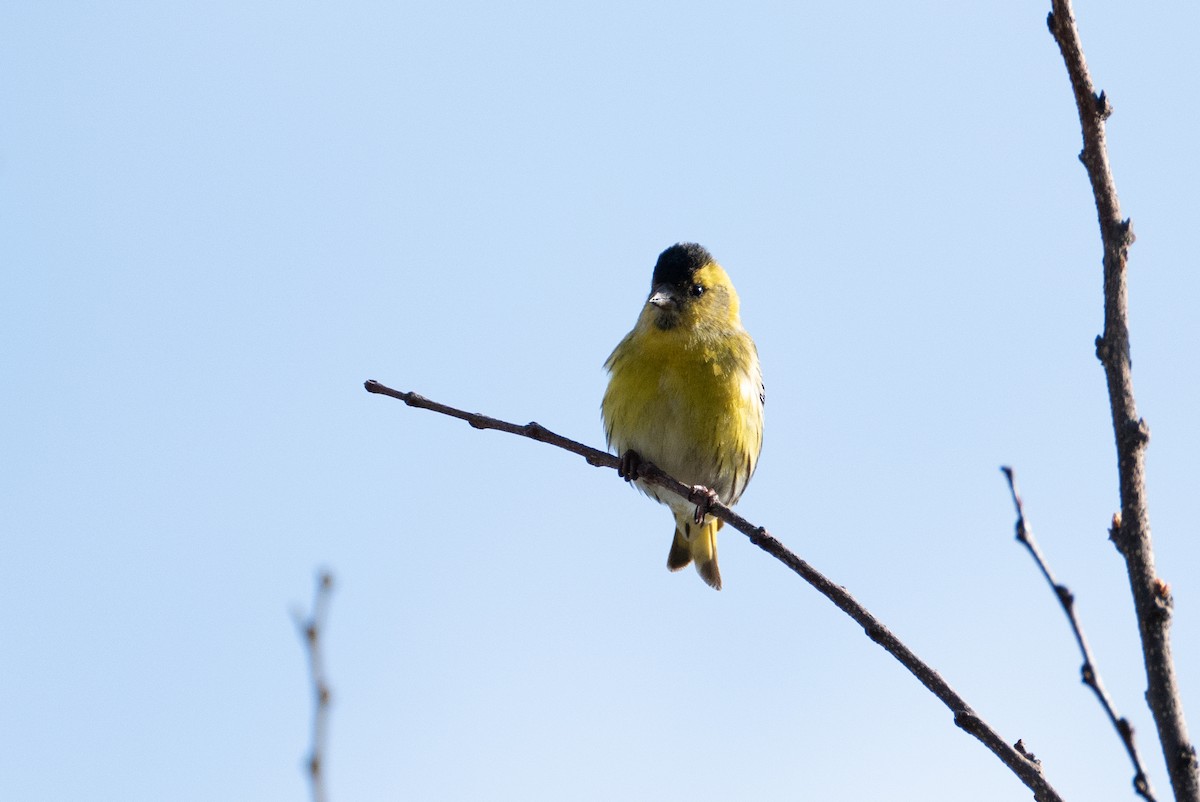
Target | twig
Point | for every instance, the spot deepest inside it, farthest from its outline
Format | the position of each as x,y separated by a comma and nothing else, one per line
1027,768
311,629
1091,677
1131,528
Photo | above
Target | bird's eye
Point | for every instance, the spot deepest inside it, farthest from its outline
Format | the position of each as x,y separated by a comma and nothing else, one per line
697,290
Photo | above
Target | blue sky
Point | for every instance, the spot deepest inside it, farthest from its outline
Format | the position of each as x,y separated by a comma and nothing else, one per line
218,219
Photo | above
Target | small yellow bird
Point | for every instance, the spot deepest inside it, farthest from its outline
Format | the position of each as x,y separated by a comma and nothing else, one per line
685,392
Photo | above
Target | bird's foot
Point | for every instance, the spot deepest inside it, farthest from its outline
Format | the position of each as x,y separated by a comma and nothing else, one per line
628,468
703,499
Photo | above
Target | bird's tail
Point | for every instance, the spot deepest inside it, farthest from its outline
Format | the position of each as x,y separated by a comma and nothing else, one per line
696,543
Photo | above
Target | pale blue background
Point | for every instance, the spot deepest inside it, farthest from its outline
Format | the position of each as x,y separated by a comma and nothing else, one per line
217,219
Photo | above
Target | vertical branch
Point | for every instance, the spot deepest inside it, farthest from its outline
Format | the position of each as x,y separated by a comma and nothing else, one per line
1131,527
311,629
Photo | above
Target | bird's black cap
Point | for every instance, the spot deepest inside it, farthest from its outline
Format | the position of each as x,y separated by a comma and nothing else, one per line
677,264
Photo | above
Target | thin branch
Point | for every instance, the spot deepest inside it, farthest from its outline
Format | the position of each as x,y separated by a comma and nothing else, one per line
1018,760
311,629
1131,528
1091,676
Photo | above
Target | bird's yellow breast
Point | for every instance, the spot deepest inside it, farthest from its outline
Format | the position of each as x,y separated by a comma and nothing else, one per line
689,402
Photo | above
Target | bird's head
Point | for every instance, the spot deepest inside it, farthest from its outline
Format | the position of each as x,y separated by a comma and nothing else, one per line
690,291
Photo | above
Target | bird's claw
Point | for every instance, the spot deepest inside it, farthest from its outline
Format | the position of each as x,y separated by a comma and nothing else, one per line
703,498
629,464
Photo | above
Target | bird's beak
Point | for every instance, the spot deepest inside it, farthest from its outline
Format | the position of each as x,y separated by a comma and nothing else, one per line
664,297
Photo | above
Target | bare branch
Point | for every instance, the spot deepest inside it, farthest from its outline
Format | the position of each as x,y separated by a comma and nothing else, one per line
311,629
1131,528
1019,761
1091,677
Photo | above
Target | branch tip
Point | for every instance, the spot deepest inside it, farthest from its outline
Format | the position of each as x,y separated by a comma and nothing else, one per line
310,630
1088,674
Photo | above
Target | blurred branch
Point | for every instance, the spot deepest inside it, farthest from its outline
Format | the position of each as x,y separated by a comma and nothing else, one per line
1091,677
1131,528
1023,764
311,629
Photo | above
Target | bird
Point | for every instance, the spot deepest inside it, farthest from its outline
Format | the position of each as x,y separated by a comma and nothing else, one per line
685,392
